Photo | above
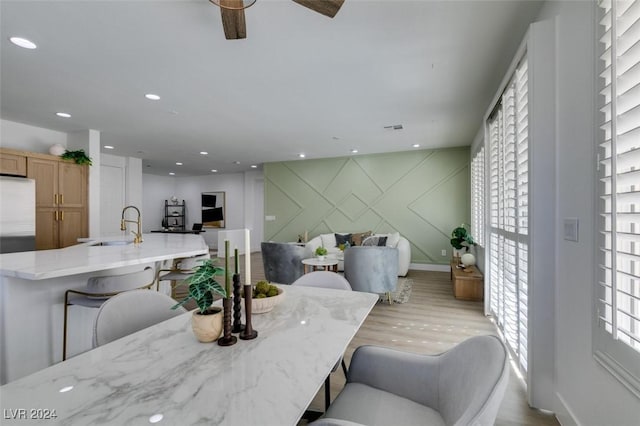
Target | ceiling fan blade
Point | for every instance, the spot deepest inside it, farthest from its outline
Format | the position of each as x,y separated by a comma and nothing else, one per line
233,21
326,7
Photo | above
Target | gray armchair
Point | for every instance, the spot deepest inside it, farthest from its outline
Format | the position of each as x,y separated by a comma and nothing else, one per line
283,261
371,268
463,386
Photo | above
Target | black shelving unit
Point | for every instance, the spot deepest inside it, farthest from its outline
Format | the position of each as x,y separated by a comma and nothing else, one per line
174,216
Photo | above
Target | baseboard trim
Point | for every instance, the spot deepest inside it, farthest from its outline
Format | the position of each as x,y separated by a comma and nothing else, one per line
564,414
429,267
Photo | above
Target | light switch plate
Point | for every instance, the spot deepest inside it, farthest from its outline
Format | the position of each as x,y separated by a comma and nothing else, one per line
269,218
571,229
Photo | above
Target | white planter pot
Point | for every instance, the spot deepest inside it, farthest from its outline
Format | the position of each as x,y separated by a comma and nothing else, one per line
207,328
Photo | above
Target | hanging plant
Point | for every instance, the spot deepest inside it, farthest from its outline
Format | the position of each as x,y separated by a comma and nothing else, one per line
79,156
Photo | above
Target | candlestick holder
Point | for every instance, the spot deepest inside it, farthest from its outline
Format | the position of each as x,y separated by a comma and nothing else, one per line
248,333
237,322
227,339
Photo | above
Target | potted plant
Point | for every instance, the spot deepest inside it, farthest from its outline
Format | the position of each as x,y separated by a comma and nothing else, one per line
79,156
321,252
461,238
206,321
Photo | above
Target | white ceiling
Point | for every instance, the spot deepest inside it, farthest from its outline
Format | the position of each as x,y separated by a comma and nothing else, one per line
299,81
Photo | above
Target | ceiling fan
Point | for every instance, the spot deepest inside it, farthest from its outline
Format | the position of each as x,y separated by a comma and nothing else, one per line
233,13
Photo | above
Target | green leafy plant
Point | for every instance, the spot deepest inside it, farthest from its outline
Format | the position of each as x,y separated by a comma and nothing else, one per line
461,238
321,251
79,156
203,286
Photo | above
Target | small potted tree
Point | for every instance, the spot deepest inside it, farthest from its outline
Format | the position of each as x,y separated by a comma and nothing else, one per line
206,321
321,252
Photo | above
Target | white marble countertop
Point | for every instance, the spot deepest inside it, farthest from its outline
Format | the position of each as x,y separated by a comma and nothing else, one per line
164,370
88,257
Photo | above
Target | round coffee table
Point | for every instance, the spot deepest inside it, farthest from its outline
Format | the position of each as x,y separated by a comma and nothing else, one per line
327,264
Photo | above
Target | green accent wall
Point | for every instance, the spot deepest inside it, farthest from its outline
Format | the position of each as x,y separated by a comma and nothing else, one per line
422,195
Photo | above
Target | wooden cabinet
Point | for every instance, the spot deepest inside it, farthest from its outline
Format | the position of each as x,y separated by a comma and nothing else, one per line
61,201
13,163
468,283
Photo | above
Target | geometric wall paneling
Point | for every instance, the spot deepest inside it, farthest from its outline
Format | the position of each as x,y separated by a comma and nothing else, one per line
421,194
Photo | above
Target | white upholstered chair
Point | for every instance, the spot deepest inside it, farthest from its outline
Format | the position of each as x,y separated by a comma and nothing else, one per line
463,386
132,311
326,279
99,289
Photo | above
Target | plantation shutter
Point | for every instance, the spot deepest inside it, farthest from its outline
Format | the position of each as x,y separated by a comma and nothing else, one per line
509,201
617,335
477,197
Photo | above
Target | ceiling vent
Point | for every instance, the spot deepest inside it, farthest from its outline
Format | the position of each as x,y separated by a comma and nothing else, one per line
394,127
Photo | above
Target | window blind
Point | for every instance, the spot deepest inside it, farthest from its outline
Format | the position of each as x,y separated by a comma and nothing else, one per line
617,335
477,197
508,207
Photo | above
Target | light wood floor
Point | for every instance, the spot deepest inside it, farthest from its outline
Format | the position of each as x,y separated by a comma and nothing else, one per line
431,322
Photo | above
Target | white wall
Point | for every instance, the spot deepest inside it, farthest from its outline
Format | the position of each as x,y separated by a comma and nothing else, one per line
29,138
586,393
243,201
156,190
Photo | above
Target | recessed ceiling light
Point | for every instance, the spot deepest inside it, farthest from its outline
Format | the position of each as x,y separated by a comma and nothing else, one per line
152,97
236,162
203,153
178,164
301,155
23,42
65,389
354,151
214,171
416,145
108,147
63,114
253,166
171,174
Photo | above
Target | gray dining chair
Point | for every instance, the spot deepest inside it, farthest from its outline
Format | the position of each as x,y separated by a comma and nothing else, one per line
332,280
463,386
100,289
131,311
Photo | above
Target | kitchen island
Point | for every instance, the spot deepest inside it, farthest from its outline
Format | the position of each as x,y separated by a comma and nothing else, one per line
32,287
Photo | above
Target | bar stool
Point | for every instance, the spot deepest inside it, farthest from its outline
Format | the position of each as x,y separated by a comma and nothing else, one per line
181,269
99,289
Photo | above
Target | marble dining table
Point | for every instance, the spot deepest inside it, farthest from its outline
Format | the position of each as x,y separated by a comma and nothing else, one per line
163,375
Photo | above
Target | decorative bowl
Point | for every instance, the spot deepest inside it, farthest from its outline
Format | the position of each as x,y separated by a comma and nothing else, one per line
266,304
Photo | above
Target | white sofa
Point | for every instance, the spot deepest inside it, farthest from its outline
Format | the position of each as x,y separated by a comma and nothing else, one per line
393,240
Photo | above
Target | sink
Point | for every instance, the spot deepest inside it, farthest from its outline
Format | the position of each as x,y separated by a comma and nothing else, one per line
112,243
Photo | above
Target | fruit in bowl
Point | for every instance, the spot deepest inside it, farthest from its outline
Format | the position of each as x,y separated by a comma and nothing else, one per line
265,297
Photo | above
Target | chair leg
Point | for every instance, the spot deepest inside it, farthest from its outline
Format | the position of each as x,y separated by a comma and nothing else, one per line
64,335
327,392
344,368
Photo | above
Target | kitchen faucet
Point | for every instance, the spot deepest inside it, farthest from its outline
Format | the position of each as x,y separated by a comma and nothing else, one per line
123,224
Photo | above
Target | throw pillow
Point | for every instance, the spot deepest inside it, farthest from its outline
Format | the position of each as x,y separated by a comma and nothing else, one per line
357,239
328,240
343,239
393,239
382,241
